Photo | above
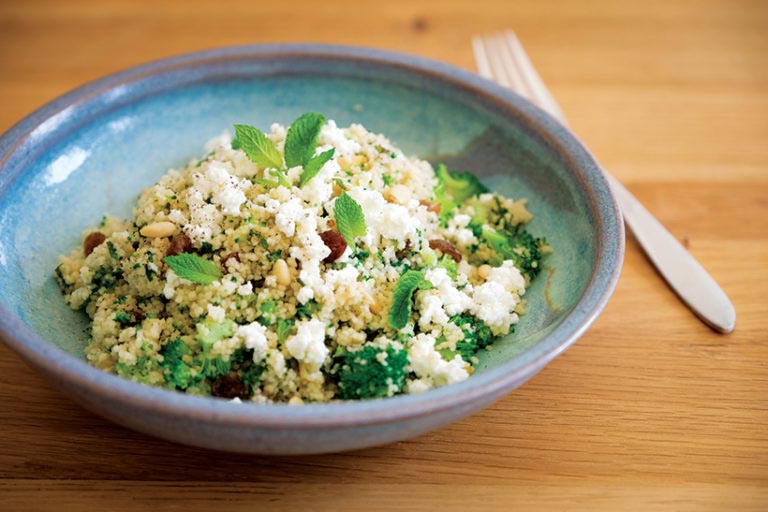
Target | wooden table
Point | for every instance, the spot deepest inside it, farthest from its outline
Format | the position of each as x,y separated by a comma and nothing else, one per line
650,410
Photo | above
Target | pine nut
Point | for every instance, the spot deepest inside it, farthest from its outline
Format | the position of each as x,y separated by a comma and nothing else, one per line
484,271
158,229
281,273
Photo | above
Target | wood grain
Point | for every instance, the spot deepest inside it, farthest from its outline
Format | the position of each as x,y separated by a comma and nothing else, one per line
648,411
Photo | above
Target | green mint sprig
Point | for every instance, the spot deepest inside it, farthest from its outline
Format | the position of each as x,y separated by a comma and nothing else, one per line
258,147
406,286
314,165
350,220
301,139
194,268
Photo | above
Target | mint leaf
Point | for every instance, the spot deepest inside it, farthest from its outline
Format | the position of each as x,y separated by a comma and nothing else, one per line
313,167
406,286
301,139
257,146
194,268
349,218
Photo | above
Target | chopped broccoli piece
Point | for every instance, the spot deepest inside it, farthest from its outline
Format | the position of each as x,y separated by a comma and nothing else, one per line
175,371
449,264
139,371
209,333
267,308
454,188
305,311
284,328
367,374
215,367
252,376
518,245
477,335
526,251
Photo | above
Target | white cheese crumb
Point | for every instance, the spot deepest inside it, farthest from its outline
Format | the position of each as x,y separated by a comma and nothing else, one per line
216,313
494,305
308,344
254,338
287,215
245,290
509,277
332,135
429,365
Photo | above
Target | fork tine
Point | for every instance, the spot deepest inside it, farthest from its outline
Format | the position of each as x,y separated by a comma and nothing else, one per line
481,58
522,64
506,62
497,68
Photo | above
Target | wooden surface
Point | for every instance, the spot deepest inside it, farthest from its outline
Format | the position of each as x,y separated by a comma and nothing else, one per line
648,411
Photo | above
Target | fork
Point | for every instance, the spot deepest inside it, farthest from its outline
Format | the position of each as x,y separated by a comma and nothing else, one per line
500,57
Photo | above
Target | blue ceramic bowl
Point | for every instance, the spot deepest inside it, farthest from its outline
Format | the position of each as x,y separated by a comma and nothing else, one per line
93,150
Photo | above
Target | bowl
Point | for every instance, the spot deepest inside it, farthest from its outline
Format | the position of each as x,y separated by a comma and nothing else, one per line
93,150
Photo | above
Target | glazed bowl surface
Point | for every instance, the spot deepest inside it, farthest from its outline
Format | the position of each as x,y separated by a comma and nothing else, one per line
95,149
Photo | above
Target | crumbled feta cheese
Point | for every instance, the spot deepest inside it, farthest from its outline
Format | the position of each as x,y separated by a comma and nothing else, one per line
308,344
287,216
428,364
494,305
454,301
254,338
177,217
384,219
509,277
332,135
245,290
216,313
305,294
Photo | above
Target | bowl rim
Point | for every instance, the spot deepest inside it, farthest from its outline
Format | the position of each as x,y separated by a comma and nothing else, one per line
63,367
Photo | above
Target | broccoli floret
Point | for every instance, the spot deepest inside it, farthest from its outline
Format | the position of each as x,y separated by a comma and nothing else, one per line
518,245
175,371
305,311
454,188
367,374
180,374
284,328
209,332
526,251
477,335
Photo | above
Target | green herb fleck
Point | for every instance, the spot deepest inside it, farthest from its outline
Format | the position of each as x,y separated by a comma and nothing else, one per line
122,317
275,255
305,311
112,250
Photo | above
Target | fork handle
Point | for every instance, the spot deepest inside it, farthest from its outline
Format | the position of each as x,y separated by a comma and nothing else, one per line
684,274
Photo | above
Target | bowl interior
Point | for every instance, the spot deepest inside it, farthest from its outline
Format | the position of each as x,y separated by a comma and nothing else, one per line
96,156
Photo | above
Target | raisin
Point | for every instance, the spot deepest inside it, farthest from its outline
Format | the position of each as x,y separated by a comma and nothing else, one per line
229,386
445,247
179,244
92,241
403,253
335,242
